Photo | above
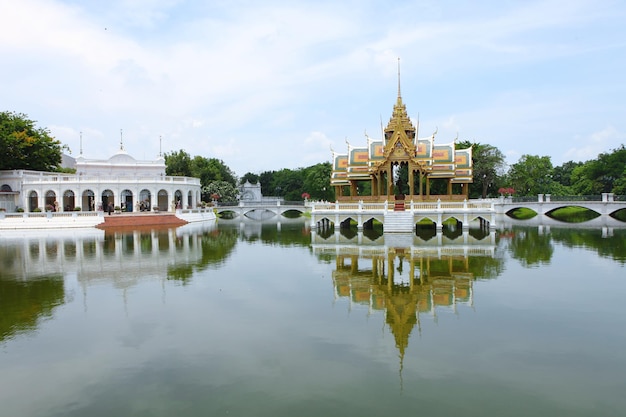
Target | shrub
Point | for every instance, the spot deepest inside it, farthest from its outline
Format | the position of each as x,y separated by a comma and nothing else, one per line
77,208
19,210
37,210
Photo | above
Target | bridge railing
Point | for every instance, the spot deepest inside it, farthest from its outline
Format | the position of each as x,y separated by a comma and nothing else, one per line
551,198
262,203
576,198
409,206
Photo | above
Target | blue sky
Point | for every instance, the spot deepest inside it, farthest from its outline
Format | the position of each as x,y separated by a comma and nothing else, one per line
265,85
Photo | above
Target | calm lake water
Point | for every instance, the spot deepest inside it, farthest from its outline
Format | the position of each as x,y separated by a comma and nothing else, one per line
272,319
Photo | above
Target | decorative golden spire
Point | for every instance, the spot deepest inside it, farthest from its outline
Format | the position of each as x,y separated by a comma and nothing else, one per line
399,95
399,119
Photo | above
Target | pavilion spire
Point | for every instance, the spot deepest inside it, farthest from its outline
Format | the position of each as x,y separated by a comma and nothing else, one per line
399,95
121,140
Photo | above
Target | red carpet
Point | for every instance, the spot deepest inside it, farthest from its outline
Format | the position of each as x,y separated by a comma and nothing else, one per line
133,220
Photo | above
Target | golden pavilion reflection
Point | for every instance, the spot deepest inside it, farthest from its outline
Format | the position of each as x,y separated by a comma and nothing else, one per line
407,283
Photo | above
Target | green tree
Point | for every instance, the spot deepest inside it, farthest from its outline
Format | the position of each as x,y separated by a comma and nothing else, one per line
488,167
25,146
582,184
288,184
531,175
604,174
223,190
208,170
213,169
317,182
608,168
178,164
563,173
250,177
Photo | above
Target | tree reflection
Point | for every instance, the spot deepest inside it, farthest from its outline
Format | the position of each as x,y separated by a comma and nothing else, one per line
608,243
531,246
23,304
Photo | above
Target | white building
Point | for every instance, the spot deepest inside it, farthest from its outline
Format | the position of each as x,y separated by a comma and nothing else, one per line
120,180
250,192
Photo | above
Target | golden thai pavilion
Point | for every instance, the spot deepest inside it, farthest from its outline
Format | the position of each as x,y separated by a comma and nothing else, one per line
379,162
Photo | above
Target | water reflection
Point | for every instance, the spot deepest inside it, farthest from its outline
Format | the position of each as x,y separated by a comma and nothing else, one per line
23,304
259,316
407,277
534,245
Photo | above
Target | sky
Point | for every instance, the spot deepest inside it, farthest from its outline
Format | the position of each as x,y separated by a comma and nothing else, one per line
267,85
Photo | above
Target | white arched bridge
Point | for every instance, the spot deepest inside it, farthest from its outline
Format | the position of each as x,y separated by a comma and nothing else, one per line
605,204
255,209
483,212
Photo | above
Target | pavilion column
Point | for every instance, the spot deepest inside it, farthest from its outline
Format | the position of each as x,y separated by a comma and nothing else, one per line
449,186
353,188
421,183
374,185
381,182
390,190
411,180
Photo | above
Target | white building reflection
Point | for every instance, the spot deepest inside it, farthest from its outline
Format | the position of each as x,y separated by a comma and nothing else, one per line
121,258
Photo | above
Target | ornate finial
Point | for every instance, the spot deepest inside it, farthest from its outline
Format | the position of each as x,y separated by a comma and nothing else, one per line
160,142
399,95
121,140
81,143
417,128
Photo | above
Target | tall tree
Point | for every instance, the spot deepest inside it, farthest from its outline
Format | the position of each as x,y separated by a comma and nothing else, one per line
563,173
317,182
178,163
208,170
604,174
489,164
250,177
531,175
26,146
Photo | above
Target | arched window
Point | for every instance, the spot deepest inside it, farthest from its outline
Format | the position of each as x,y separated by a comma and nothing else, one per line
162,200
51,201
107,198
127,200
89,201
178,199
145,200
68,200
33,200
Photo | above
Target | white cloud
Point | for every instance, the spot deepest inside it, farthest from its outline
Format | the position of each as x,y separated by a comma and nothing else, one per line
596,143
233,80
